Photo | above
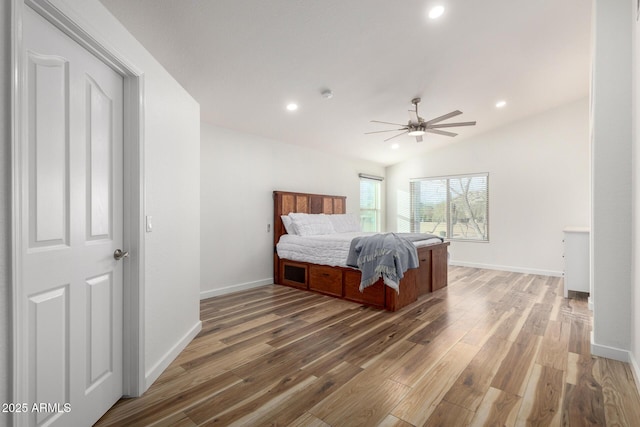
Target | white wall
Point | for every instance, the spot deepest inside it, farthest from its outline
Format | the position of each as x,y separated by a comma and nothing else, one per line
538,184
172,249
172,179
5,206
635,270
611,178
239,174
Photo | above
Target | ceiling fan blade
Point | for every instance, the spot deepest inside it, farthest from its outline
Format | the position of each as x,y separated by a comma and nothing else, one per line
445,117
379,131
413,116
387,123
440,132
419,138
395,136
450,125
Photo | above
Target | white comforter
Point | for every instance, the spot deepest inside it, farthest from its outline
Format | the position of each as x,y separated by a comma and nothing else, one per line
326,249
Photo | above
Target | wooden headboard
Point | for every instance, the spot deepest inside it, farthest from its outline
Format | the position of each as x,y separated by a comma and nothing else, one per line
285,202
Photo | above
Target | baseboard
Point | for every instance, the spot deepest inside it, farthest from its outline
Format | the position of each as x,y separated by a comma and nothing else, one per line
509,268
235,288
609,352
635,368
153,373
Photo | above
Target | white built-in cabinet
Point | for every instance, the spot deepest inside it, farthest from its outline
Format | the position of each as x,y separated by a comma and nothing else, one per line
576,259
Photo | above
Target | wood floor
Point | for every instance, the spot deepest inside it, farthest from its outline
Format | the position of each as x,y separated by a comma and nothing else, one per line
494,348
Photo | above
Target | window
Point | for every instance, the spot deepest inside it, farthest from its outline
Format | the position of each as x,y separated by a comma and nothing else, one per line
454,207
370,203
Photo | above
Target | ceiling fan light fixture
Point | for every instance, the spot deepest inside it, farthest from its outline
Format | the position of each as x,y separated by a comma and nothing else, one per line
417,126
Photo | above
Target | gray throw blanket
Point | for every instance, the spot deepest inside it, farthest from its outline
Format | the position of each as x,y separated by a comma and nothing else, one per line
388,255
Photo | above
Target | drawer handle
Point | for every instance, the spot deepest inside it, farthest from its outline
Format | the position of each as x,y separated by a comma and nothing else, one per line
326,274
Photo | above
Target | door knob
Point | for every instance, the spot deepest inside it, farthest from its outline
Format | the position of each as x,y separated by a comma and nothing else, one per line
118,254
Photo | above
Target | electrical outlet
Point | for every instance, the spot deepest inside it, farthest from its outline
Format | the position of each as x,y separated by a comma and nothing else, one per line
268,228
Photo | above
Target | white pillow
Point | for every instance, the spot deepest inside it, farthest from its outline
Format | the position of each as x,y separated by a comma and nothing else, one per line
311,224
288,224
344,223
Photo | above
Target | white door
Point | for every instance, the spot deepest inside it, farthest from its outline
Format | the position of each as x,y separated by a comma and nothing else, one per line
72,222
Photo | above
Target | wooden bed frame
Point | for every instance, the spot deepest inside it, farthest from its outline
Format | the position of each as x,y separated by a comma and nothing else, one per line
343,282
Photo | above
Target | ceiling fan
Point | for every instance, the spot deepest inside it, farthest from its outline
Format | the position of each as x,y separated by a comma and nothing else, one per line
417,126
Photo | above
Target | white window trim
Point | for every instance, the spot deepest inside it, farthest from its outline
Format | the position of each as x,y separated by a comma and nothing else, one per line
378,210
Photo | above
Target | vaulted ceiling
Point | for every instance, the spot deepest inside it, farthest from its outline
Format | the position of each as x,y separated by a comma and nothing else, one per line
245,60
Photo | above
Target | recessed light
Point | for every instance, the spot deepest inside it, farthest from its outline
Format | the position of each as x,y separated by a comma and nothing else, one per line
501,104
395,146
436,12
292,106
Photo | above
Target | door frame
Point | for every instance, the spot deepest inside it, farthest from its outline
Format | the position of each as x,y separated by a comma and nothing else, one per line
65,19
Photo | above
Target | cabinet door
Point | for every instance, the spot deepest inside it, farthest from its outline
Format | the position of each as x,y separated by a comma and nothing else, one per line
439,267
576,259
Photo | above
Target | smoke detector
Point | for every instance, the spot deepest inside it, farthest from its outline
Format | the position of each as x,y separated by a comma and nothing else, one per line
327,94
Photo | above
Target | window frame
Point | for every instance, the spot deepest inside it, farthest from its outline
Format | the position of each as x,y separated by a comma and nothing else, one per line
378,202
448,201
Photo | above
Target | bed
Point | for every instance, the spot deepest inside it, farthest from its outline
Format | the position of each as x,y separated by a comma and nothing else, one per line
329,277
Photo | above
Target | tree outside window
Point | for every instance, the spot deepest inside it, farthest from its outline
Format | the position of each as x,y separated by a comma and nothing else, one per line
455,207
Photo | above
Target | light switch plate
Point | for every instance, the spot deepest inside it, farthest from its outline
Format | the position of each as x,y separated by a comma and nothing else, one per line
149,224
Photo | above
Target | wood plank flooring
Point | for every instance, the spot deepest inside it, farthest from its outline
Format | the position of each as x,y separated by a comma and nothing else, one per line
493,348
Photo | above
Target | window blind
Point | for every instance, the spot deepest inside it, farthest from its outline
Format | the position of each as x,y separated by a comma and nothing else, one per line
369,204
453,207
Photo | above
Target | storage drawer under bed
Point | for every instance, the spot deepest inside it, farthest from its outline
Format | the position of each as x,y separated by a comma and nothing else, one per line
372,295
327,280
